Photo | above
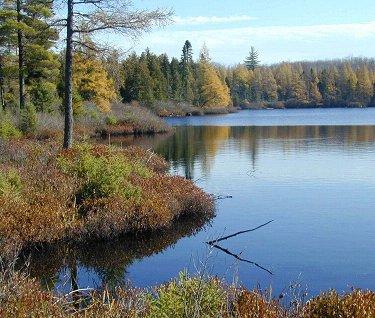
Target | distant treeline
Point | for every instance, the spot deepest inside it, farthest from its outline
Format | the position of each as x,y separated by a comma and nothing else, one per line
104,78
337,83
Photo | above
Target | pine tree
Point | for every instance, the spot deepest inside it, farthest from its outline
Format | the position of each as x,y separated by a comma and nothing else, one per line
187,73
284,79
176,85
166,70
350,81
269,86
313,88
159,85
327,86
240,84
299,91
25,24
364,89
252,61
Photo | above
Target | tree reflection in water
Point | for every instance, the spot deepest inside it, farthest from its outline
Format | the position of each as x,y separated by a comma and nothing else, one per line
108,259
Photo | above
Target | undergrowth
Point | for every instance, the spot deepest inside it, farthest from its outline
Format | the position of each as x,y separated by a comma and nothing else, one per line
88,192
184,297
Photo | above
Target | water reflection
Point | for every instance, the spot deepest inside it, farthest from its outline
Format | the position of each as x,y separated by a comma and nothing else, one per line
190,146
102,263
316,182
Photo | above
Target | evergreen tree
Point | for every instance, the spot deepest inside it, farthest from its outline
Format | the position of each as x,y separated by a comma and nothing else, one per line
187,76
364,89
25,24
252,61
159,85
240,84
349,86
176,84
269,86
165,67
313,88
298,86
284,79
327,86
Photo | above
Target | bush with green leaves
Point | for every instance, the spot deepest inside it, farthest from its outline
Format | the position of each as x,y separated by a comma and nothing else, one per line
103,175
44,96
8,129
10,183
111,120
28,119
189,297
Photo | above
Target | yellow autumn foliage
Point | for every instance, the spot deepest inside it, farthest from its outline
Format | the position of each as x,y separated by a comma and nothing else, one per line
214,93
91,82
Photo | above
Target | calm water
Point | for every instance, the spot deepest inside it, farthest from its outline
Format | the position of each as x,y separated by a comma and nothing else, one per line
311,171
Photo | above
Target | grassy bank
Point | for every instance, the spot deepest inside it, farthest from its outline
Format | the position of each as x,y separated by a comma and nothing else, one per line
87,192
184,297
121,120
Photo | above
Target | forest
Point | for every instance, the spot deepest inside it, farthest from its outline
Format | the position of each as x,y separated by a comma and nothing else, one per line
32,74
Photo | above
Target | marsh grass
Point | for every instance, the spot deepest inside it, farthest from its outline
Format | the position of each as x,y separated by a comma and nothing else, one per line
127,119
88,192
184,297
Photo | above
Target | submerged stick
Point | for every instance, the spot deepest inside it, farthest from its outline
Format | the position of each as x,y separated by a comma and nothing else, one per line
238,233
226,251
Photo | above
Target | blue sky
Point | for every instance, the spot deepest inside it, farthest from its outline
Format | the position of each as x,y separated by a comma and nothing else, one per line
281,30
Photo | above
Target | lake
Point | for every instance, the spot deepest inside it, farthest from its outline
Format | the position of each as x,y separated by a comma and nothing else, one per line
310,171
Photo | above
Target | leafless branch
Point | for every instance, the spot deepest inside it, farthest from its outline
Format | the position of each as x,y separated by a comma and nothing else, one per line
238,233
226,251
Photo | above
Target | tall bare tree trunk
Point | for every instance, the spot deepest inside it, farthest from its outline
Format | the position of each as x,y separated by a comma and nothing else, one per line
68,90
21,75
2,98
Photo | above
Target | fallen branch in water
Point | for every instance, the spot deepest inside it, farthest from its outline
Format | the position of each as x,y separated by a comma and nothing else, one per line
236,256
238,233
221,197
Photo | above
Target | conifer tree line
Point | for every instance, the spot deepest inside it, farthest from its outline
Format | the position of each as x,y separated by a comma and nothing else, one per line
150,77
336,83
33,73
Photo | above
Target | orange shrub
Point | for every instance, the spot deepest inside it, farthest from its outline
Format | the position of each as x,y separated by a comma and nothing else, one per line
89,191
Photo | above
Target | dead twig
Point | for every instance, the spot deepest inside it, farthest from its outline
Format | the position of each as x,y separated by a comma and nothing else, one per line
236,256
238,233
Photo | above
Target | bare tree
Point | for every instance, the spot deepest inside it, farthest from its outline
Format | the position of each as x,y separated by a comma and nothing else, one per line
2,97
93,16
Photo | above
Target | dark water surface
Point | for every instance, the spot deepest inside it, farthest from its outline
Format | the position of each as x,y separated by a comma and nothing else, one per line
311,171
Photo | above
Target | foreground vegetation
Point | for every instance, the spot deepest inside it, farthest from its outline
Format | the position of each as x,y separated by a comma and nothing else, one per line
184,297
87,192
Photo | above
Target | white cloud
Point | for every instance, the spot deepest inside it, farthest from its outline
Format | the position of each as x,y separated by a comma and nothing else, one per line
200,20
275,43
246,34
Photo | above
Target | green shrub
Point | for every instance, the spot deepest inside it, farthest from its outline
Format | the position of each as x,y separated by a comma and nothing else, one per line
8,129
189,297
29,120
44,96
103,176
111,120
10,183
